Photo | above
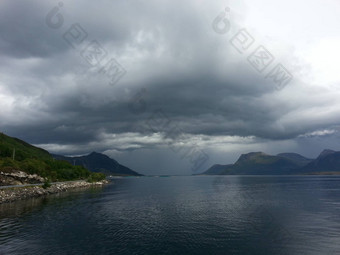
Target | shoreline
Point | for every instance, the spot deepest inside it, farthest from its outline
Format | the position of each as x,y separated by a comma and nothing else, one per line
13,194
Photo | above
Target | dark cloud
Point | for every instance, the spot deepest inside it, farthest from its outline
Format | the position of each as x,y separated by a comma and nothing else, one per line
176,65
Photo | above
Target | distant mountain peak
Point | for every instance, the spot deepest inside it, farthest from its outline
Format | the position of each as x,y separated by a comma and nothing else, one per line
287,154
250,156
283,163
292,155
327,161
98,162
326,152
94,153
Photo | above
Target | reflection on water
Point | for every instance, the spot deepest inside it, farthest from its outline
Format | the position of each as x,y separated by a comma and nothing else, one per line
180,215
15,209
13,215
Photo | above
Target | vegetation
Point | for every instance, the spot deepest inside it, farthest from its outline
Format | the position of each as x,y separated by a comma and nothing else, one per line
47,184
19,155
23,150
95,177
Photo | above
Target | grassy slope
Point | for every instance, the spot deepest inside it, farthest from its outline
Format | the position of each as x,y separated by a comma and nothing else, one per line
23,150
34,160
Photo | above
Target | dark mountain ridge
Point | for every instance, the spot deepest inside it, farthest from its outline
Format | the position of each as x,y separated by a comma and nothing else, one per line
98,162
327,161
259,163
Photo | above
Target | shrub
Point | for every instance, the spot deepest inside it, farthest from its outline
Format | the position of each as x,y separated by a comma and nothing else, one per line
46,184
95,177
9,163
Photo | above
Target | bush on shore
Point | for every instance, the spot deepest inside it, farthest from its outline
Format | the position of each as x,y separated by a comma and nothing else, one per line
96,177
54,170
46,184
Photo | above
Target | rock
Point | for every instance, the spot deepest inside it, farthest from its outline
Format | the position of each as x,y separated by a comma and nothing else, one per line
16,177
12,194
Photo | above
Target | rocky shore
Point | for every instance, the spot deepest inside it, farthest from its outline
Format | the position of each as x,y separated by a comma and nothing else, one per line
15,177
20,193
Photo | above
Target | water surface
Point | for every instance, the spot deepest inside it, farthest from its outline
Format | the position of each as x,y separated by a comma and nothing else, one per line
181,215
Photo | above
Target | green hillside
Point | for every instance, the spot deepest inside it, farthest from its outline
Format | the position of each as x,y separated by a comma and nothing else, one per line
23,150
16,154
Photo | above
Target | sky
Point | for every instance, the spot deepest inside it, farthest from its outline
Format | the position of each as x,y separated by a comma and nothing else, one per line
169,86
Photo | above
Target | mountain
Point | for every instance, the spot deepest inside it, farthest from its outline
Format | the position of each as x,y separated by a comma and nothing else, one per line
326,152
327,161
21,149
17,155
301,160
97,162
259,163
217,169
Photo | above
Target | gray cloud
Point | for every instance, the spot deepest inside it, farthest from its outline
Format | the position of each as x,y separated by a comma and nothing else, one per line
175,63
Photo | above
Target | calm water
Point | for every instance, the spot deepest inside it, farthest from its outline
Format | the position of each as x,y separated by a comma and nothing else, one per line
180,215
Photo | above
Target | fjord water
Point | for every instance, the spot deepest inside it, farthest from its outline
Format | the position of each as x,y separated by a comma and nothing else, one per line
181,215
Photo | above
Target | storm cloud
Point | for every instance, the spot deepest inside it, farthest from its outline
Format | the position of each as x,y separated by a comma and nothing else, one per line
182,84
